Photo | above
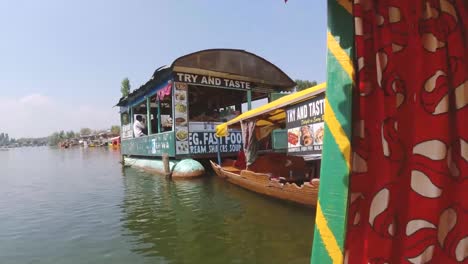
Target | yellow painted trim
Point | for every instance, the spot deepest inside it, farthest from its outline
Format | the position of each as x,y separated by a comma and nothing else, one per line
346,4
340,55
327,237
294,98
338,133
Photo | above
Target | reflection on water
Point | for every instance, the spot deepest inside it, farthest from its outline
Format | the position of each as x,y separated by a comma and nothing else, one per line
211,220
80,206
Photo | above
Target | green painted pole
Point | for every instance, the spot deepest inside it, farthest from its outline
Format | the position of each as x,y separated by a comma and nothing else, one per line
131,117
159,116
332,205
249,99
148,115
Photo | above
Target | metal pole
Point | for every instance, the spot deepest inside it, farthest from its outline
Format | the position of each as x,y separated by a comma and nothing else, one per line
131,118
249,99
148,115
159,116
219,151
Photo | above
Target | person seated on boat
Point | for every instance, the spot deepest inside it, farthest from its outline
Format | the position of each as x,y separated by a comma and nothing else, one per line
167,124
139,127
154,125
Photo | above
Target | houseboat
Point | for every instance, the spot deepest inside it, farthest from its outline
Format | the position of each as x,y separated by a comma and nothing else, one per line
181,105
282,147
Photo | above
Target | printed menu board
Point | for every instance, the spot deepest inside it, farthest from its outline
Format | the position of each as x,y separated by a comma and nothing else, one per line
181,118
304,122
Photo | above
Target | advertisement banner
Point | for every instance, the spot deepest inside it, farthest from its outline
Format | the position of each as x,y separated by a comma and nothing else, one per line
304,122
207,143
181,118
191,78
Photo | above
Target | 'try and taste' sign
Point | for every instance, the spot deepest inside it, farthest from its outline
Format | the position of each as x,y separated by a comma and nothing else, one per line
211,81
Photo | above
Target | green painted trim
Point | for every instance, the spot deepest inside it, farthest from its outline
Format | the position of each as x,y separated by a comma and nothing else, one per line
333,190
339,94
131,118
148,115
151,146
249,99
319,256
159,116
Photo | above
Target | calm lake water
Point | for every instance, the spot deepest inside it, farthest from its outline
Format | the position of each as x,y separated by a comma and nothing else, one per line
80,206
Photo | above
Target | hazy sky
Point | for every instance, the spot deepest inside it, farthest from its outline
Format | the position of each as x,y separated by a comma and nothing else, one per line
61,62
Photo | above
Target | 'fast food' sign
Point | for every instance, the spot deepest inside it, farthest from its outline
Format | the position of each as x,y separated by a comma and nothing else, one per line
304,122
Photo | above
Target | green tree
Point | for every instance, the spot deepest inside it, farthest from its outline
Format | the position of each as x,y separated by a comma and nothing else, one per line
125,87
70,134
54,139
115,130
85,131
304,84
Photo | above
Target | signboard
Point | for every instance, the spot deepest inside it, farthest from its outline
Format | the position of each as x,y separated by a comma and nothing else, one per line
181,118
304,122
127,131
211,81
207,143
152,145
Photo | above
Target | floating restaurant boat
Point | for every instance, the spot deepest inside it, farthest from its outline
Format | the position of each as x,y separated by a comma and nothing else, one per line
289,167
182,104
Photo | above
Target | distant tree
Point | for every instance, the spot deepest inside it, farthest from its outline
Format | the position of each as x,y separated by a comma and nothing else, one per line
54,139
115,130
85,131
70,134
125,87
304,84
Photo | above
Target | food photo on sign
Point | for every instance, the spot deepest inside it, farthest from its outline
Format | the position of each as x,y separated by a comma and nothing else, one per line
305,126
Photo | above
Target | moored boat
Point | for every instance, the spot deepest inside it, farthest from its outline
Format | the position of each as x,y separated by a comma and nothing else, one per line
289,167
177,110
263,183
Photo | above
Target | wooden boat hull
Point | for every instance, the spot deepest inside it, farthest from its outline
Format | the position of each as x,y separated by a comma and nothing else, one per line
261,183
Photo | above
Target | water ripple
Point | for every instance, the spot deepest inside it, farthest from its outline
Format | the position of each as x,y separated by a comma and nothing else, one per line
80,207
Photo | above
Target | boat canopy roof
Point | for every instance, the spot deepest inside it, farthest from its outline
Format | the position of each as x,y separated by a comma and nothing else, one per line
273,112
234,64
224,63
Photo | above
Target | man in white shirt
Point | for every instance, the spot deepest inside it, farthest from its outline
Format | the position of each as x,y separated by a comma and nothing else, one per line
139,127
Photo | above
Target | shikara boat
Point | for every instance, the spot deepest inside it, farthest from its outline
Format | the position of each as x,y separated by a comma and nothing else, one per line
288,167
262,183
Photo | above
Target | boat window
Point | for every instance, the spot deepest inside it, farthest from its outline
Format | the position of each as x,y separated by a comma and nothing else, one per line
255,104
211,104
154,115
166,114
124,118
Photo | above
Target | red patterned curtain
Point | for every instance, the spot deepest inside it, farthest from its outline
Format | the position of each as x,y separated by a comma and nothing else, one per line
409,186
